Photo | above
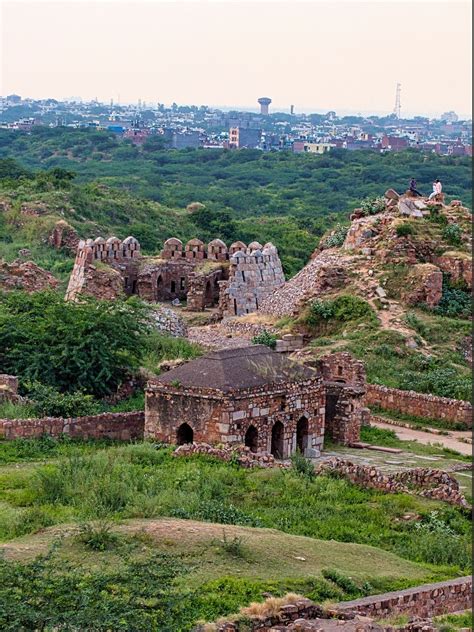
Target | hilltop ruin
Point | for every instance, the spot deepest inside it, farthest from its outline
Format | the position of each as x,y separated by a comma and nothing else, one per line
234,280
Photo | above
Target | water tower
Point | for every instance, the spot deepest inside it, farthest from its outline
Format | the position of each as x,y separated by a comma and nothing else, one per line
264,103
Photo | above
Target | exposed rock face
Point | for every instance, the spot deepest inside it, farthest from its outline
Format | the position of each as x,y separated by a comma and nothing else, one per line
361,230
25,275
411,207
424,285
64,236
458,265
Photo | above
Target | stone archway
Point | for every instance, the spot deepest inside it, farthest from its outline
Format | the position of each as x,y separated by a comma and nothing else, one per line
251,438
278,432
302,435
208,295
184,434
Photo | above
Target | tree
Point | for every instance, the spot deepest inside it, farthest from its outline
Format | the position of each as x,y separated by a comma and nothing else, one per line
89,346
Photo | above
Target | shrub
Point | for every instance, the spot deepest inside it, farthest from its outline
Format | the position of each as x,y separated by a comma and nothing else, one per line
32,520
343,308
453,234
336,237
344,583
49,402
442,381
233,546
98,535
265,338
404,229
302,465
373,205
454,302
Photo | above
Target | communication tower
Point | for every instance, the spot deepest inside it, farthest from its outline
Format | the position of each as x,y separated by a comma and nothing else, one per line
398,105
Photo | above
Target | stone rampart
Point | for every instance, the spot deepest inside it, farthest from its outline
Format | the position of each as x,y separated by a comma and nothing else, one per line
454,411
121,426
427,600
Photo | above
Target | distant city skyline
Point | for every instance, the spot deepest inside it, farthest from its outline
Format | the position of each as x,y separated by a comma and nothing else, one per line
345,56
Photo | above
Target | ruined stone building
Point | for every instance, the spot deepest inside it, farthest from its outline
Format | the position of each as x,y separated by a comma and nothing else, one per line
259,398
234,279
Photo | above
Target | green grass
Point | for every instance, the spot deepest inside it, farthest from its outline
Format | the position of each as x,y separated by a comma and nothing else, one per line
454,622
141,481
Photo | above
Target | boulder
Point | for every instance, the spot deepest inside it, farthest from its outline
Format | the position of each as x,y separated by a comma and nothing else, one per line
391,194
409,207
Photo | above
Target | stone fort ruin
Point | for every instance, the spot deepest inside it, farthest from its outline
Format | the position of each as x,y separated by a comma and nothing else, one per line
235,280
259,398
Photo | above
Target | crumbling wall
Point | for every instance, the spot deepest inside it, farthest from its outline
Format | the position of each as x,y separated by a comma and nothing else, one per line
419,404
253,276
25,275
122,426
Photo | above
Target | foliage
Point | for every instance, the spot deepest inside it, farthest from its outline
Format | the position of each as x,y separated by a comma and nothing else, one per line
89,346
344,308
302,465
404,229
456,302
233,546
265,338
373,205
50,594
344,583
159,347
48,402
336,237
453,234
97,535
136,480
442,381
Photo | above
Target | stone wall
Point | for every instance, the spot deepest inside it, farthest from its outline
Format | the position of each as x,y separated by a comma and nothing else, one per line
430,483
422,601
122,426
273,418
419,404
253,276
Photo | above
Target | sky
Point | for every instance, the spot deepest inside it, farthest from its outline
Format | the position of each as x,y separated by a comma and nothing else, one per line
343,55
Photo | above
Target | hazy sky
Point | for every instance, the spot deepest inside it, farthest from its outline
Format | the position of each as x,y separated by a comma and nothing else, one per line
341,55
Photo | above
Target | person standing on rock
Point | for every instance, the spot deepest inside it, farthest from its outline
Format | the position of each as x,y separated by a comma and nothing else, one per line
413,188
437,189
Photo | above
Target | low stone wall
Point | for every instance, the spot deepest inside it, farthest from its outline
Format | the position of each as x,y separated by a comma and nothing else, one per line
240,454
430,483
122,426
420,404
422,601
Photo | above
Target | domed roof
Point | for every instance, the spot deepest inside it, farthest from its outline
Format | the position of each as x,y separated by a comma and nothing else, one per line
217,242
130,240
113,240
239,245
195,242
99,240
173,241
255,246
270,246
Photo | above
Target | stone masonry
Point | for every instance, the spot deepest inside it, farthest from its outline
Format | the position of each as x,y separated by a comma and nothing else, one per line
235,279
255,397
420,404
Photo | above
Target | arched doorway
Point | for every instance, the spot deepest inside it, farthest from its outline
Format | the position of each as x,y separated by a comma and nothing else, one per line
277,440
184,434
251,438
159,287
302,435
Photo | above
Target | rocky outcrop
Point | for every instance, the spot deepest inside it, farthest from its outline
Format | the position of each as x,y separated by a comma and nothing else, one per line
458,265
424,285
64,236
25,275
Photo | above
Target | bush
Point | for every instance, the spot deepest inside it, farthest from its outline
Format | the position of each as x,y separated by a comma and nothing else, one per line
453,234
98,535
346,584
337,237
343,309
89,346
403,230
265,338
373,205
442,381
455,303
302,465
46,401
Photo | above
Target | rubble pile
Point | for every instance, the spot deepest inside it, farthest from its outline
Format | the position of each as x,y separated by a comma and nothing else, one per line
238,454
430,483
25,275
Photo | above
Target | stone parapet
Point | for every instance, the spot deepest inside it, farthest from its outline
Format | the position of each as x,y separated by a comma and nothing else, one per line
120,426
427,600
420,404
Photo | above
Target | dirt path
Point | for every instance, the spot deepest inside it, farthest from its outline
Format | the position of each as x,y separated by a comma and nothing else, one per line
452,440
